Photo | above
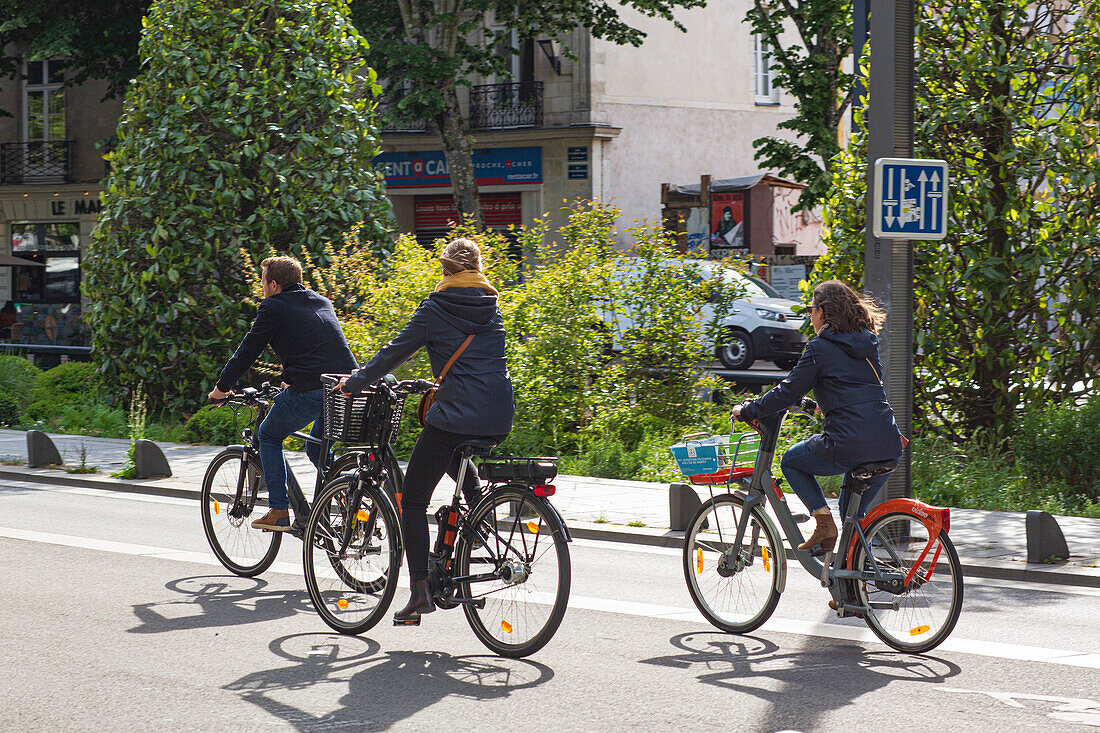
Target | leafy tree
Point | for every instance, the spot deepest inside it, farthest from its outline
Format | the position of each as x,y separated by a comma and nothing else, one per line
98,40
811,72
249,128
1005,305
426,50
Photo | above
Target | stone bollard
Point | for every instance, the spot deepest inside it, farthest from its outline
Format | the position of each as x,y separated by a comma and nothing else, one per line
149,460
1044,538
41,451
683,502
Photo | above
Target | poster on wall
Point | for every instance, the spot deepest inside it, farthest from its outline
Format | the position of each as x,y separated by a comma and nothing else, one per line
697,233
727,219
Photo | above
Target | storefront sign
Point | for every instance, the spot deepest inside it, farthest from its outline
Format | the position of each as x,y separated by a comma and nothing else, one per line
439,212
75,207
492,167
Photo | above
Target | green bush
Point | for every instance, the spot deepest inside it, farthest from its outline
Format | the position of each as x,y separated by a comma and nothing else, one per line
214,426
17,378
76,381
1058,443
10,410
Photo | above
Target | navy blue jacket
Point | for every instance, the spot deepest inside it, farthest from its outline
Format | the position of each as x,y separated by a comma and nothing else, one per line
301,327
859,423
475,397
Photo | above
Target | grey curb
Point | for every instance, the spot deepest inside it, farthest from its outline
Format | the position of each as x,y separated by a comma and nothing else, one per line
646,536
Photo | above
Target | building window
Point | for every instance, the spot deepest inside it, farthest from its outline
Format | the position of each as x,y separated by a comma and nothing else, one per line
44,149
764,91
55,247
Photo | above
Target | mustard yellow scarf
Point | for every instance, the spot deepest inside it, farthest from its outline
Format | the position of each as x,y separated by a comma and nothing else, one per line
465,279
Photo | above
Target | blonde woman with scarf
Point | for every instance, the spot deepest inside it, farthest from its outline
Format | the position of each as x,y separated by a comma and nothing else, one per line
474,401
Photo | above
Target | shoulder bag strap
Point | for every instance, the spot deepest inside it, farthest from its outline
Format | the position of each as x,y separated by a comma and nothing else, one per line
454,357
867,360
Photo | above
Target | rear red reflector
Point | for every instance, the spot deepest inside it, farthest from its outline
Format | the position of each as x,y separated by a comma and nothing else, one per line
945,519
545,490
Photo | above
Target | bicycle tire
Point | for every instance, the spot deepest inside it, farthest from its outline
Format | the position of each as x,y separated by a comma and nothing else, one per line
351,600
928,608
515,621
242,550
739,599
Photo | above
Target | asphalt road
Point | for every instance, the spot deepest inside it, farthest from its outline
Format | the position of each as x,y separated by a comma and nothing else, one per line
116,617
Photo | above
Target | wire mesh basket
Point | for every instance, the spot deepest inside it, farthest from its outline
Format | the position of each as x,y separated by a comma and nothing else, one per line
368,418
716,459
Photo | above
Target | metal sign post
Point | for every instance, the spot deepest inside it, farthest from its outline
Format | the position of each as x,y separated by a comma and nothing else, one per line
888,263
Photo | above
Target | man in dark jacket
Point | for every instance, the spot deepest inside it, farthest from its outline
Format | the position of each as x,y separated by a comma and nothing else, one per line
301,327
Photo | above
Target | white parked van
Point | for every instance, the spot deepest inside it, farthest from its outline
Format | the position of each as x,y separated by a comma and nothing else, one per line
760,324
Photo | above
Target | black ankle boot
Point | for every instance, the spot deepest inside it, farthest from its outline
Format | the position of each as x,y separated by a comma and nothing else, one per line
420,602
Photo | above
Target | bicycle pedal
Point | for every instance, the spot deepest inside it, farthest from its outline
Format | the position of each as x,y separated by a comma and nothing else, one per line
826,564
800,518
414,621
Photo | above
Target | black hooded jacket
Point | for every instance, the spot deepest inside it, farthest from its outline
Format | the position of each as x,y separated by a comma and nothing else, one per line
475,398
842,370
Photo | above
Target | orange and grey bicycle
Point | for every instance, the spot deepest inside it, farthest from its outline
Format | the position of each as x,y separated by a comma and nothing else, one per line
896,568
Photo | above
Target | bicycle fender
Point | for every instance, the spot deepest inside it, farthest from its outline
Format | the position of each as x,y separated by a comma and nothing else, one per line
561,522
234,449
932,517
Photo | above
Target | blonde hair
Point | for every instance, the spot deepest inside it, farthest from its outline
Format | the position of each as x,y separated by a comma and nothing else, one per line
460,255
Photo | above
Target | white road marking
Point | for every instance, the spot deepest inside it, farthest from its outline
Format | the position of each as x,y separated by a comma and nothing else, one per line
790,626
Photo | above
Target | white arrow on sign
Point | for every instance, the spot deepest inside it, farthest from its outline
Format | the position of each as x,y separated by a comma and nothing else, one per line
923,201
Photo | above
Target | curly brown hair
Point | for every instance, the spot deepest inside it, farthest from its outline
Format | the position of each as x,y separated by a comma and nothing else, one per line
846,310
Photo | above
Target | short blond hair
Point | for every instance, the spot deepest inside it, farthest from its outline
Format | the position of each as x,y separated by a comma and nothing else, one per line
283,270
459,255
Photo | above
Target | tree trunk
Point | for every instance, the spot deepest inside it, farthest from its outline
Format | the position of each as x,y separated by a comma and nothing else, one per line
460,158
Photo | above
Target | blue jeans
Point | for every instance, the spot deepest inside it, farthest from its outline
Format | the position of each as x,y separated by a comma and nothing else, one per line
801,465
290,411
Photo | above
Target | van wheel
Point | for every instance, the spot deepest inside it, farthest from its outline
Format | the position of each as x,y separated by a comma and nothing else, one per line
736,352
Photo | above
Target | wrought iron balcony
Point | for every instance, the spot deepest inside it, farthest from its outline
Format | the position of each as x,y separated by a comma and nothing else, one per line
420,125
36,162
504,106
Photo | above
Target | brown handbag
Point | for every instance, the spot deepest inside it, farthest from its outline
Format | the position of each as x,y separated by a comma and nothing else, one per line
428,398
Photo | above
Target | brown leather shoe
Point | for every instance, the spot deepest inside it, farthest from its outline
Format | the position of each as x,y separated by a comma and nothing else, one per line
420,603
276,520
824,534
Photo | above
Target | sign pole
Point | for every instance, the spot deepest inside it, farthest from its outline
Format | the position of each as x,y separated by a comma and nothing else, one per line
888,263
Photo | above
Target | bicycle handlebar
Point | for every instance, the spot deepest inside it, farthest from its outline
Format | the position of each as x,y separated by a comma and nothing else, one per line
389,383
249,395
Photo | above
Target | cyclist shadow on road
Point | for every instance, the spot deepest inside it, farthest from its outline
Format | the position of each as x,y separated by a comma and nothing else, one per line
828,675
376,690
218,600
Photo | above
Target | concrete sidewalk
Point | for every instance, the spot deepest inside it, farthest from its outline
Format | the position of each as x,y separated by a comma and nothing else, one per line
990,544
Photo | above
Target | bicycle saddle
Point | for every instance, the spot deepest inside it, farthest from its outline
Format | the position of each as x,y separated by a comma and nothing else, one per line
869,470
477,446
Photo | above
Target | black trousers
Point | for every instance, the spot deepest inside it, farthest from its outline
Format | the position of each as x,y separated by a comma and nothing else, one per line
432,456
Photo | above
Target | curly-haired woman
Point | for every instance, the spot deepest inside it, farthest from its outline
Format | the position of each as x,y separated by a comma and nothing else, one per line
842,368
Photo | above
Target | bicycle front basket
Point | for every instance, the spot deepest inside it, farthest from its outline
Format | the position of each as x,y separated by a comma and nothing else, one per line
369,418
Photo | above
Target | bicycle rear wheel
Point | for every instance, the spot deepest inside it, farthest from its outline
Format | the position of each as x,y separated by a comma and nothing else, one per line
736,589
351,589
523,557
228,525
919,615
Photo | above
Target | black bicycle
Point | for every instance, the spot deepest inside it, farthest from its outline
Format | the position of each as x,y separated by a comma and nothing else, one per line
233,489
505,561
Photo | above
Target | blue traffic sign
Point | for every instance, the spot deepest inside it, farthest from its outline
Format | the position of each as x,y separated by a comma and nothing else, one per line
910,199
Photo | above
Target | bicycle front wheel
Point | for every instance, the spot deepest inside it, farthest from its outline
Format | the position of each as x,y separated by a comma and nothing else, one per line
517,570
736,586
917,614
228,523
351,588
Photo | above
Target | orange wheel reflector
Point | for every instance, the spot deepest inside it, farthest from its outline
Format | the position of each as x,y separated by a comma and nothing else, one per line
506,626
918,631
217,507
764,554
362,515
342,604
533,527
698,560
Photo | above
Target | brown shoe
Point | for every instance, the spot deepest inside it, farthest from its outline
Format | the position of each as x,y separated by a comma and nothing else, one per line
276,520
825,533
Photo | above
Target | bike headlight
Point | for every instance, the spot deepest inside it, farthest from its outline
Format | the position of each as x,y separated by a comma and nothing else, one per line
769,315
